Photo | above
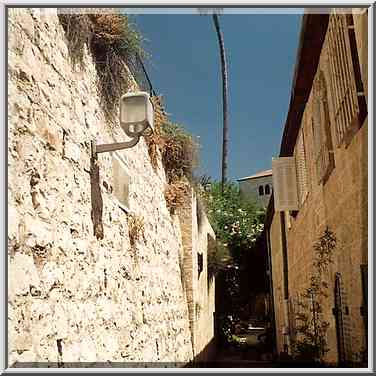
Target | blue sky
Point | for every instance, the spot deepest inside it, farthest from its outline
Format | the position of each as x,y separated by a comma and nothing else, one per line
185,68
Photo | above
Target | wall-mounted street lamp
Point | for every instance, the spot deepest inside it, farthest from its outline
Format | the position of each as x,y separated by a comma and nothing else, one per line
136,120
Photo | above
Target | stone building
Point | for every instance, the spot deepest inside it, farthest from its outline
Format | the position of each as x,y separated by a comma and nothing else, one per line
257,187
320,182
73,297
198,241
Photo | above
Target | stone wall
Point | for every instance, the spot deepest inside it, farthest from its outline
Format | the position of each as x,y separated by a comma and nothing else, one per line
72,297
199,288
341,203
278,283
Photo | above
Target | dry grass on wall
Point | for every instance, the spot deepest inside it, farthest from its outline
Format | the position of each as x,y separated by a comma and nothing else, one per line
179,152
77,29
155,141
177,147
177,194
113,43
136,229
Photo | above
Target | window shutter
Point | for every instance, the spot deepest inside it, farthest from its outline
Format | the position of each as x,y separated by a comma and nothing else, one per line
324,157
346,87
284,184
301,168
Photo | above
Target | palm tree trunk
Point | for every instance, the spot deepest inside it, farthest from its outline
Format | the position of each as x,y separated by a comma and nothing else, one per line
224,102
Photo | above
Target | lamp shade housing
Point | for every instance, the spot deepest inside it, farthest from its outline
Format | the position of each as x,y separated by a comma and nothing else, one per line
136,114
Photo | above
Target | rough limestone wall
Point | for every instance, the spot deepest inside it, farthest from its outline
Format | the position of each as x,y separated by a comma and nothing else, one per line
199,291
190,263
73,297
205,303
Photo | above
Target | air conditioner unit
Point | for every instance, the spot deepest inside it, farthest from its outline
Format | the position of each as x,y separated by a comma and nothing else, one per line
285,187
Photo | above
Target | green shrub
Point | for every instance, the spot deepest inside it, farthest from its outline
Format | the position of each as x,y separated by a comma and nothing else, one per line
236,222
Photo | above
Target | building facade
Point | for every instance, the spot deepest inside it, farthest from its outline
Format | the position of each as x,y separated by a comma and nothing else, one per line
199,285
257,187
319,209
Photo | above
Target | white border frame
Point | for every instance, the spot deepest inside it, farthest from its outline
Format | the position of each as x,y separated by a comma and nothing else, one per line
193,4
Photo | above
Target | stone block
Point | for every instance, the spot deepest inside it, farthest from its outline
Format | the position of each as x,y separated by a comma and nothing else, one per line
71,352
36,232
23,341
61,326
27,149
24,357
65,95
72,151
48,131
25,22
22,275
13,221
20,109
16,40
88,351
51,274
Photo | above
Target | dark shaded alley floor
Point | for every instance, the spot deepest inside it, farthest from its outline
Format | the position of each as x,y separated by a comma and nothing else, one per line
237,358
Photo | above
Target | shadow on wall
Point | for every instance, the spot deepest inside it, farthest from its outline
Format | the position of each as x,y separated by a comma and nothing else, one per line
205,358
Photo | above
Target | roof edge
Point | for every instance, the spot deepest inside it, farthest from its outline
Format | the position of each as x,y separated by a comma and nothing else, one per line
254,177
311,40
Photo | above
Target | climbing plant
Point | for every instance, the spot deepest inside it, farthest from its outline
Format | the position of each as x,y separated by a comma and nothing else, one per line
310,343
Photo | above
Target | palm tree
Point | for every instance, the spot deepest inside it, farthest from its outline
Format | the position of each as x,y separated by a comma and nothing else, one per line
224,102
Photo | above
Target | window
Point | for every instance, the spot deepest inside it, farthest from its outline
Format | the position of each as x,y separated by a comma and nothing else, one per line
348,100
267,189
200,263
324,157
261,190
120,182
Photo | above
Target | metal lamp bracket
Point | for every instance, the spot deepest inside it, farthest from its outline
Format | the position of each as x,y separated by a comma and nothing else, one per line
96,195
104,148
